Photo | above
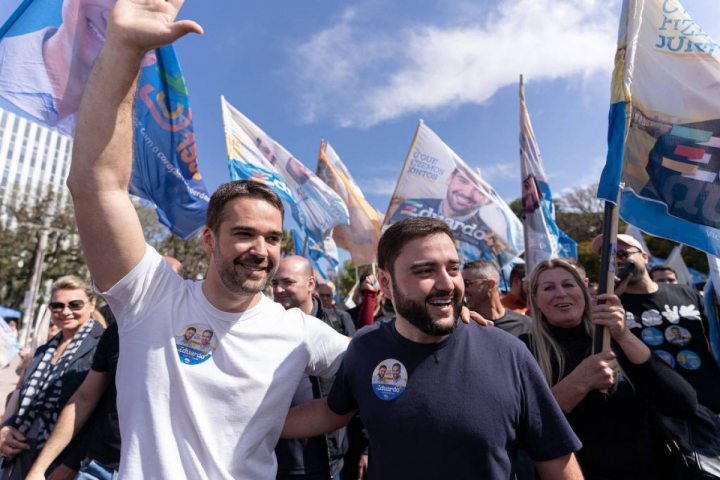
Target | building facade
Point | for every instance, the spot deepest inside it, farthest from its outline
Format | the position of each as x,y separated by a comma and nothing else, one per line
34,162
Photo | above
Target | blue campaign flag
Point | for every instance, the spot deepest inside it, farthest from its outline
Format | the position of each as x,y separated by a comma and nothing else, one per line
47,50
543,238
664,125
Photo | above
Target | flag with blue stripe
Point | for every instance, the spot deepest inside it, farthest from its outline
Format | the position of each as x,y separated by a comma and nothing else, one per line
47,50
664,125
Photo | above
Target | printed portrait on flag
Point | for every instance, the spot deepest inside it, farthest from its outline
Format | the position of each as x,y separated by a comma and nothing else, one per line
436,182
665,125
45,63
47,51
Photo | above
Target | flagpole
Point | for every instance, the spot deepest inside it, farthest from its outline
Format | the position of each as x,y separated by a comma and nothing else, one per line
529,263
606,283
407,158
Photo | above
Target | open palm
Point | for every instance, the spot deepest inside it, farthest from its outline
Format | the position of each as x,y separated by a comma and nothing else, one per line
147,24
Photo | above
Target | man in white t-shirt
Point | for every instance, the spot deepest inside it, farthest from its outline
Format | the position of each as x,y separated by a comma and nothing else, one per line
185,413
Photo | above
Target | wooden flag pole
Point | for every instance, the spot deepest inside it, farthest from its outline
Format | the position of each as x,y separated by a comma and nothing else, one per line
606,283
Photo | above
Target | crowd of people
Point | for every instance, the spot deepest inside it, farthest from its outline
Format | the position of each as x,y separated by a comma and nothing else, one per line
252,373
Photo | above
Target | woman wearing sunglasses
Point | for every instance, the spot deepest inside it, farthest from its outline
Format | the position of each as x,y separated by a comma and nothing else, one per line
614,427
55,372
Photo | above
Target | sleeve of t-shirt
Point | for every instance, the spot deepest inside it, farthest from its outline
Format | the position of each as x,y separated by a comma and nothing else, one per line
141,288
543,431
107,344
325,346
341,399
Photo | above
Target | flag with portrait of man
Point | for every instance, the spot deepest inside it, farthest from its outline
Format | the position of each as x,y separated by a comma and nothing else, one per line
47,51
664,133
315,208
436,182
361,235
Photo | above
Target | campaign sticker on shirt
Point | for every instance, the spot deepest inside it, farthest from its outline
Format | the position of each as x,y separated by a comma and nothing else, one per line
677,335
195,343
652,336
688,359
389,379
665,357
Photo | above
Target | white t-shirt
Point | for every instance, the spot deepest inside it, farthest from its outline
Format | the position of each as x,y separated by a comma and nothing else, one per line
187,414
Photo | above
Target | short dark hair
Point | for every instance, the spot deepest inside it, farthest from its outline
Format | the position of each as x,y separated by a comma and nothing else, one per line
661,268
238,188
394,239
518,271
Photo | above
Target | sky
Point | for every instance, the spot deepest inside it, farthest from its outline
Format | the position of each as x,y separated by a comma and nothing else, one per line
361,74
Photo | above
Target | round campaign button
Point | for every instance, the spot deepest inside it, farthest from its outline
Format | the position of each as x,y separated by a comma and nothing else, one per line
688,359
195,343
389,379
678,335
665,357
652,336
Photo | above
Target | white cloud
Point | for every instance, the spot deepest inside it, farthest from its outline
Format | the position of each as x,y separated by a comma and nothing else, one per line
360,76
501,171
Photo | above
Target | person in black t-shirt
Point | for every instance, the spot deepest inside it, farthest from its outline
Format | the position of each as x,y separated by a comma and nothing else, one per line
615,427
656,311
465,397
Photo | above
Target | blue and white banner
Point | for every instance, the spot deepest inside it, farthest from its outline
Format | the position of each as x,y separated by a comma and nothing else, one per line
47,50
254,154
544,240
664,133
436,182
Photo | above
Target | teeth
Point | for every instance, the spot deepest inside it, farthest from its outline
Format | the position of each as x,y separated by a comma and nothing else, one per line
95,31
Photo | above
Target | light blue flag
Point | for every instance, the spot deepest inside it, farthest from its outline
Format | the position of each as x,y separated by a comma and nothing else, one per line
47,50
252,153
543,239
664,132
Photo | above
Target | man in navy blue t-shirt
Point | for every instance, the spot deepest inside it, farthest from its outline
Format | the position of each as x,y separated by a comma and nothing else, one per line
461,399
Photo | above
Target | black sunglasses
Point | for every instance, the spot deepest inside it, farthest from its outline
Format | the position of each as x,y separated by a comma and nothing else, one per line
623,253
73,305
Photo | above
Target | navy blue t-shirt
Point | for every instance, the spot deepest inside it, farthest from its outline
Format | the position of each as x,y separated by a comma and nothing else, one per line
456,409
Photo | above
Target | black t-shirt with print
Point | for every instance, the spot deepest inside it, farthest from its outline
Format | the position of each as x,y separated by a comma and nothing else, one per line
673,325
455,409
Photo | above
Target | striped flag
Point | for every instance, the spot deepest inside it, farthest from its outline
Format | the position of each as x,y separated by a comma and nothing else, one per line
664,131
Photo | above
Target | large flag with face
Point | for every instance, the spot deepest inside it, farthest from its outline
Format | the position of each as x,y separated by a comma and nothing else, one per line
436,182
361,235
47,50
254,154
543,238
664,135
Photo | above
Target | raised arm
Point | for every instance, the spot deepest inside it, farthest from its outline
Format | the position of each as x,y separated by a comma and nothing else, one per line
110,231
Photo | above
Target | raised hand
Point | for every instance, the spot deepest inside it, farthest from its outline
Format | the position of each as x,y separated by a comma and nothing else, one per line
610,314
141,25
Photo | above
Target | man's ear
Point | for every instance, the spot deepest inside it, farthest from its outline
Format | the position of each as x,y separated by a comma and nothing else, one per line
491,284
312,283
385,283
208,240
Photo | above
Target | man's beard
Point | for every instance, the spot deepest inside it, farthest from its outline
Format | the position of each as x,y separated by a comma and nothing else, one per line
637,274
237,283
417,313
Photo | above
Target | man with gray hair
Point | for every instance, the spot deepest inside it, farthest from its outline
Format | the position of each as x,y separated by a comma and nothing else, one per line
483,296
